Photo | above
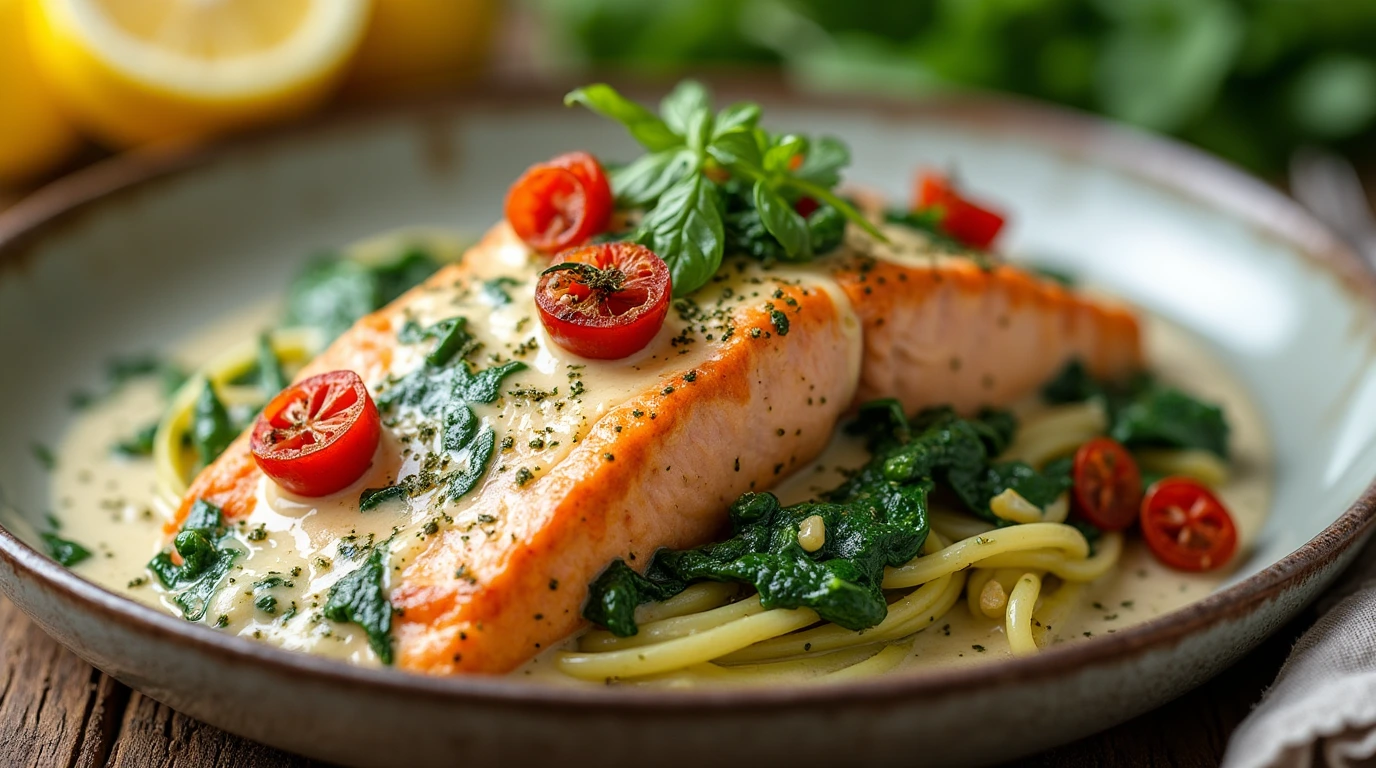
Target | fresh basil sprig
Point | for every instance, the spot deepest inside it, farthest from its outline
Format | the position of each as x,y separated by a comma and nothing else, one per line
690,149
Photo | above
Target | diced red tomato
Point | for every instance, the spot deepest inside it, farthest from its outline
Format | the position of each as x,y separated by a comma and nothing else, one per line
604,301
969,222
318,436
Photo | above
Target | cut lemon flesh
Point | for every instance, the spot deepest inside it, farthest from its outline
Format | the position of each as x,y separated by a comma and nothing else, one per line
135,71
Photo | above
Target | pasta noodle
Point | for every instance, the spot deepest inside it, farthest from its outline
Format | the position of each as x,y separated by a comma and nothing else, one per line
698,635
1021,604
1201,465
1057,432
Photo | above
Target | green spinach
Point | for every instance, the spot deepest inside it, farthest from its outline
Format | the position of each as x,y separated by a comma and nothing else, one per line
878,518
66,553
212,430
1144,413
206,560
359,598
443,389
333,293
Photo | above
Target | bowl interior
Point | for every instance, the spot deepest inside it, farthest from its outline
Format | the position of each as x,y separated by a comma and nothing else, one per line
150,263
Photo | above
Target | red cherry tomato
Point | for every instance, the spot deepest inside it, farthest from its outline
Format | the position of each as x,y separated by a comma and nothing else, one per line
560,204
604,301
965,220
1186,526
599,190
318,436
1108,485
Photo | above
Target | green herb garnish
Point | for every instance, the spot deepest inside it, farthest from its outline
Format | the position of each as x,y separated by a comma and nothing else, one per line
676,185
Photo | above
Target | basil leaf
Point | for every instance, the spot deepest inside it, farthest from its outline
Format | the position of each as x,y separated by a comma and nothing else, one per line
824,195
642,182
823,162
779,157
736,118
684,105
685,229
644,126
785,224
698,133
741,150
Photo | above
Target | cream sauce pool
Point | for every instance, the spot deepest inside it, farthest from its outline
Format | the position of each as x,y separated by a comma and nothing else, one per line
108,503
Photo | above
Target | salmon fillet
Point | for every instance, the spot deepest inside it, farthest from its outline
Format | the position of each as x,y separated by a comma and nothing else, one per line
745,383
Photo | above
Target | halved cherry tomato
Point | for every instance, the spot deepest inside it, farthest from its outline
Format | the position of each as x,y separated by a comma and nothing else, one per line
560,204
1108,485
1186,526
599,189
604,301
318,436
967,221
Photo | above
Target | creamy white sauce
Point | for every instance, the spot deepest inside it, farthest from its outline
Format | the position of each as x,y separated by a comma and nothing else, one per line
106,503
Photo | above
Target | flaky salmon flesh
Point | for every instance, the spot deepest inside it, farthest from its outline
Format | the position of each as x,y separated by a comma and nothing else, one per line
603,460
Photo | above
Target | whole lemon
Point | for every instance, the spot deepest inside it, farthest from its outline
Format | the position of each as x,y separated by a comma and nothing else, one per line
34,136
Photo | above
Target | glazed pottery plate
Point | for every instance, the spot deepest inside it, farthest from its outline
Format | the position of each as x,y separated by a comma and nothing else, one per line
141,252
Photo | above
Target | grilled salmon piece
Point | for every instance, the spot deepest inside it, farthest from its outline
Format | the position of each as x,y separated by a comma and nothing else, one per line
745,383
940,328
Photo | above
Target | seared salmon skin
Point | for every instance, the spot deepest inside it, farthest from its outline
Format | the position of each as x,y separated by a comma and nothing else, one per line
589,461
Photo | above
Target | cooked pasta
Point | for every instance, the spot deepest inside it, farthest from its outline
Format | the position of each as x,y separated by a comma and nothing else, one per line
1001,572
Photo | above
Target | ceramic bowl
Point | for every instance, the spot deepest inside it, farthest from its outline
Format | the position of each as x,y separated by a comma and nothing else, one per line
141,251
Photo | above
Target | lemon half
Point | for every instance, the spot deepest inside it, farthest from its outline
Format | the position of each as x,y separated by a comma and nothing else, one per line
137,71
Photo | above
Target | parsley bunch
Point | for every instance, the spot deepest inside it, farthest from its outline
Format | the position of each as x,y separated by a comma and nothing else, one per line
690,148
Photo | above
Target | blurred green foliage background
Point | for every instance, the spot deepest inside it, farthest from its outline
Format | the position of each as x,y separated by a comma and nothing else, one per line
1248,79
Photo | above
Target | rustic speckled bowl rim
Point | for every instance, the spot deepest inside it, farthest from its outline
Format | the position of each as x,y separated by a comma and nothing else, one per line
1177,168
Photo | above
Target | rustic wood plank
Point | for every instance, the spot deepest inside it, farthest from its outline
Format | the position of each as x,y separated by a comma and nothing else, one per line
55,710
155,736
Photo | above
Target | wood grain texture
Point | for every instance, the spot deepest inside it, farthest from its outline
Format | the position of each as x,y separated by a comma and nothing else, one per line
58,712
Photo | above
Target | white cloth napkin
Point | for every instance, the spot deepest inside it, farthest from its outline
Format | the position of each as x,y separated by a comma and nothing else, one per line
1321,711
